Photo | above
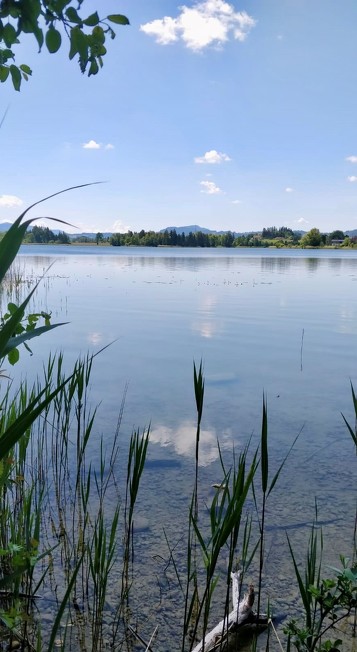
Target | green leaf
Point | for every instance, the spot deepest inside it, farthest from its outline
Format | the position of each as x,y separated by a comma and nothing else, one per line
72,15
118,19
5,55
9,35
13,356
16,77
38,33
53,40
29,335
350,574
92,20
98,34
79,44
26,70
8,329
12,307
93,68
4,73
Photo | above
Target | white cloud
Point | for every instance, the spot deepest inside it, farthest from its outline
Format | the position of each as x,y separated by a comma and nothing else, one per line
212,157
352,179
206,23
289,189
351,159
120,227
91,145
236,201
164,29
210,188
9,201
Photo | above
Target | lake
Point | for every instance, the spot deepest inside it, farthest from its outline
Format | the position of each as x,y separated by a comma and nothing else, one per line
278,322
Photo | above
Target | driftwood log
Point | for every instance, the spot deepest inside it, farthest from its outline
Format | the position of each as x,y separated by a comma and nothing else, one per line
241,614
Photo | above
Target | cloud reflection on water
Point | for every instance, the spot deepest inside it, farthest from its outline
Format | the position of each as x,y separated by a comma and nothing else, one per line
206,324
183,441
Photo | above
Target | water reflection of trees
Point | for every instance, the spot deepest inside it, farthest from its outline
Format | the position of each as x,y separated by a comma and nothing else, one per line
280,265
173,262
335,263
184,263
312,264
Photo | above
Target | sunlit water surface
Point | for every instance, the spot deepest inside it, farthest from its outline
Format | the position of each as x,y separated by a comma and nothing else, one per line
279,322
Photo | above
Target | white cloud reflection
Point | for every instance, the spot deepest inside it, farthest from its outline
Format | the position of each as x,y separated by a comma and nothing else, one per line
207,325
184,443
95,338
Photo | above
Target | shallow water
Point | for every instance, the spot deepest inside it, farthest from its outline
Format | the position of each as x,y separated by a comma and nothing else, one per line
279,322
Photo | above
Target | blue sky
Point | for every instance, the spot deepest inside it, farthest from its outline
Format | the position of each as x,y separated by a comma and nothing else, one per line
231,115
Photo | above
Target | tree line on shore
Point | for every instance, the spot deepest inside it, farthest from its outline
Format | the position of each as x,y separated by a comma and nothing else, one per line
268,237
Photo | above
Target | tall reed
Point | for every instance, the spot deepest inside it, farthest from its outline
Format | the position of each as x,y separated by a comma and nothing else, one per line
206,542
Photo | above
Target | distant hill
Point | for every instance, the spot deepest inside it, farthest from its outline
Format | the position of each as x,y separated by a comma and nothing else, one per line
89,234
4,226
193,228
351,234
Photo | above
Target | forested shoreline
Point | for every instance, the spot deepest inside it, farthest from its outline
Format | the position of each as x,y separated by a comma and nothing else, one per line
282,237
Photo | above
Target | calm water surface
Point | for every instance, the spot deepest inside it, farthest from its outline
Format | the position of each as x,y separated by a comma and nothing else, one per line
279,322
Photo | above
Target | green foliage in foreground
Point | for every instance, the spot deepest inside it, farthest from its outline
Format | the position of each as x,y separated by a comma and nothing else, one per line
49,21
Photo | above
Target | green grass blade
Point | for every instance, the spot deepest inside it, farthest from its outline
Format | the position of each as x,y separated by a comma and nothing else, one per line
12,240
62,607
29,335
12,435
264,461
352,431
10,244
276,476
305,596
199,386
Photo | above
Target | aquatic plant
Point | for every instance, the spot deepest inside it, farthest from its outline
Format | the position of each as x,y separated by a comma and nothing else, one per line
326,601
